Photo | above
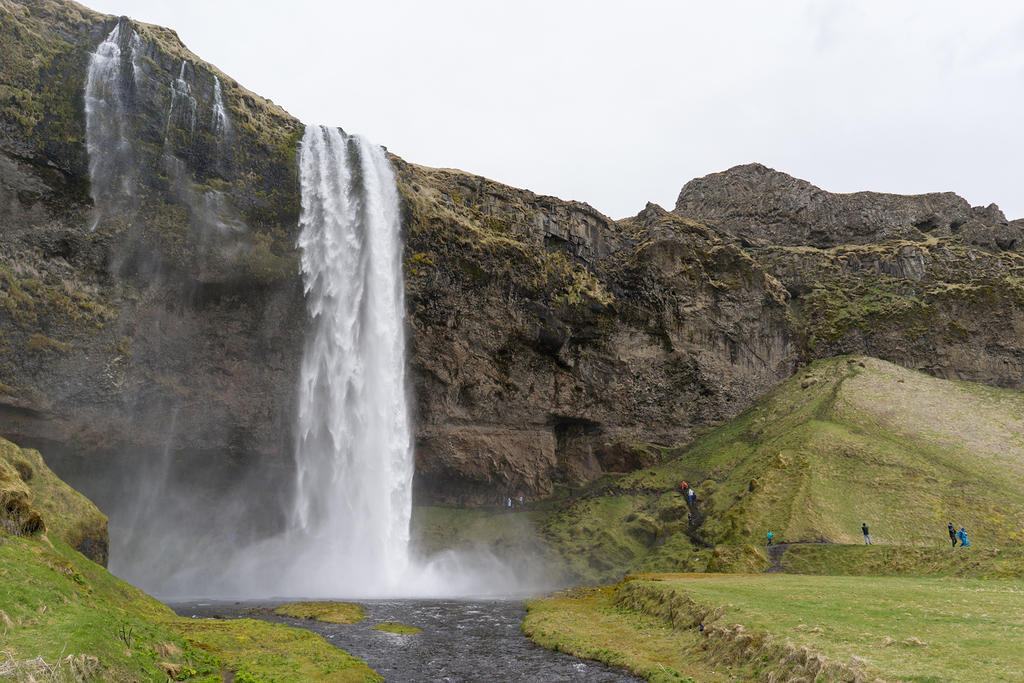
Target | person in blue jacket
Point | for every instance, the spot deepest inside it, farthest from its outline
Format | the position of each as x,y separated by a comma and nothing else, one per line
770,534
962,535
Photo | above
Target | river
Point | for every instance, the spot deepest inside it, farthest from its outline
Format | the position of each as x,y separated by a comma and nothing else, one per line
462,640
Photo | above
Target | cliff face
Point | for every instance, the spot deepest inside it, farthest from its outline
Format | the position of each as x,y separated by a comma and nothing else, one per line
761,206
548,343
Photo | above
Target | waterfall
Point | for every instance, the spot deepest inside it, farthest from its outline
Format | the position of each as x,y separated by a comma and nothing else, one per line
111,161
219,122
353,450
182,108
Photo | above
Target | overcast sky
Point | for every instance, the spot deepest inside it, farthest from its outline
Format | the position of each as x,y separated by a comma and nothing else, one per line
617,103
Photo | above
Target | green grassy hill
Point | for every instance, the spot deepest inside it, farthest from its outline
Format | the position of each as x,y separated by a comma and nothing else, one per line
63,617
845,441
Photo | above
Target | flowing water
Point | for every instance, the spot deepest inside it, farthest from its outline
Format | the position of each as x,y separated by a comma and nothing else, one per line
111,161
219,122
462,640
354,448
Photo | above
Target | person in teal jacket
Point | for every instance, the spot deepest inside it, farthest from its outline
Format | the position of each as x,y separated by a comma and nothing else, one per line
962,535
769,538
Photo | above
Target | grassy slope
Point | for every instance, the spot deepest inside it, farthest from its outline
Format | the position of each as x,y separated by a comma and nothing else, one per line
586,623
55,604
921,629
844,442
68,514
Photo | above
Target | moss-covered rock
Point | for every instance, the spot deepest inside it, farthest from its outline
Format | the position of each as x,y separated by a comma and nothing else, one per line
327,612
37,500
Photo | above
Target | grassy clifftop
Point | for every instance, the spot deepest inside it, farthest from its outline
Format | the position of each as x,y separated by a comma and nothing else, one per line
846,441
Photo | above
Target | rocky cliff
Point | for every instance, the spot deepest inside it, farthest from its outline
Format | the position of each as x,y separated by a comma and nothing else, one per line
548,343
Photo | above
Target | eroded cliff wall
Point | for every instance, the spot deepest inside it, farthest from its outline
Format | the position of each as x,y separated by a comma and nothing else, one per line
547,342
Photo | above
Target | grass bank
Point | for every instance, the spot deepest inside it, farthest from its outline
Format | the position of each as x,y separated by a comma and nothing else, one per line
64,617
784,627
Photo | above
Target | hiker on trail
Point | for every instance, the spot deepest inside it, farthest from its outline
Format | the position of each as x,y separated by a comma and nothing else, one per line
952,534
508,503
962,535
770,535
683,487
692,497
867,536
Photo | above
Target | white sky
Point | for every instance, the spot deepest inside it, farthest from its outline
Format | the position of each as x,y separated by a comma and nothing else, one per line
619,103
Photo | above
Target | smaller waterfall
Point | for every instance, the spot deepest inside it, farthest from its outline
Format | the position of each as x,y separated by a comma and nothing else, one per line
137,47
182,108
111,161
219,122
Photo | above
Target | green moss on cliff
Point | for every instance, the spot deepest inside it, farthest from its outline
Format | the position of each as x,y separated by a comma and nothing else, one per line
485,246
68,515
921,292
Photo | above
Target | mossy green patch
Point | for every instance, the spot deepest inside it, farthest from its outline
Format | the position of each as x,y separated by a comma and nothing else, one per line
68,515
260,651
328,612
396,627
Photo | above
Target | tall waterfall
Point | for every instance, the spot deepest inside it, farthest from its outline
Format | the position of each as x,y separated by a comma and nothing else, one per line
353,451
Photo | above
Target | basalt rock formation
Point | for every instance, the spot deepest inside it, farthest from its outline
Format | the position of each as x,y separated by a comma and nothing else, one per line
547,341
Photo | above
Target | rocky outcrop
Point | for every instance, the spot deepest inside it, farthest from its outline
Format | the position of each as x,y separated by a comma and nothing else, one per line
33,500
761,206
545,339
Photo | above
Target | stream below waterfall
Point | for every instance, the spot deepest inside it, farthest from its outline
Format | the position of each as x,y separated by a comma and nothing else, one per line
462,640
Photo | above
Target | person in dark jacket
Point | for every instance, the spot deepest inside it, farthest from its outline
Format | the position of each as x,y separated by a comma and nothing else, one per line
867,536
952,534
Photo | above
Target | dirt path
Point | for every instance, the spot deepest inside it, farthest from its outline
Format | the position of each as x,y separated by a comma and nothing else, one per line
775,553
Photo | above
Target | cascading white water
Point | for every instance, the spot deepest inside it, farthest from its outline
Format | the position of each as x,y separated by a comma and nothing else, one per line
219,122
110,152
181,111
353,451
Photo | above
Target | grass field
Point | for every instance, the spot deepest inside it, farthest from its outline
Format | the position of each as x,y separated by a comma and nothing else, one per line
895,628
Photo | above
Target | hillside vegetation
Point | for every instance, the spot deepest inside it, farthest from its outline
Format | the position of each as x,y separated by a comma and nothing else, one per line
846,441
65,618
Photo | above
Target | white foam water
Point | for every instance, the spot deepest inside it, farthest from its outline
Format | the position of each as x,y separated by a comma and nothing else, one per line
219,122
111,163
354,448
